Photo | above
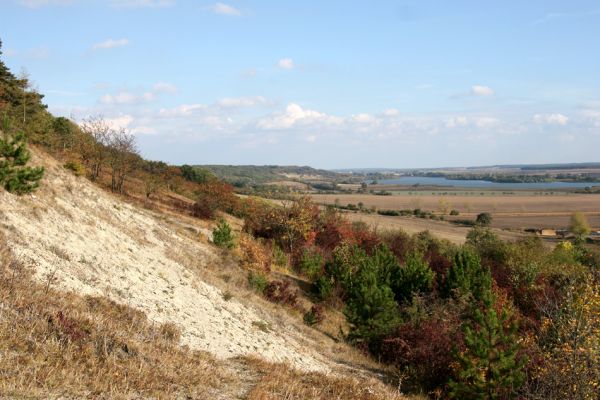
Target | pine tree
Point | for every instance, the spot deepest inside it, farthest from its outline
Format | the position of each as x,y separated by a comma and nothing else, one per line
489,367
467,276
223,235
414,277
15,176
370,306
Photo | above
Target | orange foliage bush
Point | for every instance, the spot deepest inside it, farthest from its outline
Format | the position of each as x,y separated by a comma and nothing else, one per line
213,196
253,255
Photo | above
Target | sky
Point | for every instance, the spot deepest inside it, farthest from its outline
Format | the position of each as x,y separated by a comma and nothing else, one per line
330,84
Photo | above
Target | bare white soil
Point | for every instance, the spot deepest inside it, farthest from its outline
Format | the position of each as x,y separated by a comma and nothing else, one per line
79,238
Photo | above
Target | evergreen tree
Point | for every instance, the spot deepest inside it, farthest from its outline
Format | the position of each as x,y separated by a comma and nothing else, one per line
370,306
15,176
489,367
223,235
414,277
467,276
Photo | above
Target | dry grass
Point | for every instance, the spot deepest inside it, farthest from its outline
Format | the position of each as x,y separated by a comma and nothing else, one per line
55,343
278,381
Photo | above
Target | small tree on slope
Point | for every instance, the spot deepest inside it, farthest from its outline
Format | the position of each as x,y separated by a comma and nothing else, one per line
15,176
489,367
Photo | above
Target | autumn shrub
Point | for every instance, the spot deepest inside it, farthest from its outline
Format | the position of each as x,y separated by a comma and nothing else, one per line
333,230
315,315
253,254
423,349
281,292
212,196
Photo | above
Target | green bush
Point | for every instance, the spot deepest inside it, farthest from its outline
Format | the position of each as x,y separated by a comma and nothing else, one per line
258,281
325,286
454,212
223,235
484,219
311,264
279,256
74,167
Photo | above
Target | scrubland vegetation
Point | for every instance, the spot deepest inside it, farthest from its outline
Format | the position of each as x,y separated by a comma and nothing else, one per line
484,320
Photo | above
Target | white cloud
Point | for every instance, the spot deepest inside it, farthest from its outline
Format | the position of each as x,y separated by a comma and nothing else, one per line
592,116
111,44
285,63
481,122
364,118
164,87
141,3
391,112
551,119
184,110
226,9
143,130
242,102
454,122
295,115
479,90
127,98
120,122
43,3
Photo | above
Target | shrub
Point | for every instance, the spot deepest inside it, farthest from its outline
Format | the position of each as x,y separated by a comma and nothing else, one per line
484,219
281,292
325,287
315,315
454,212
74,167
279,256
212,196
258,281
252,254
223,235
424,349
311,264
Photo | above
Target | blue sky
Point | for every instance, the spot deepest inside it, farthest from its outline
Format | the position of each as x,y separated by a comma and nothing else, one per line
329,84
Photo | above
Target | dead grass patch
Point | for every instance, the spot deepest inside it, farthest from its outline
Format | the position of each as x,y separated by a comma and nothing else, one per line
57,342
279,381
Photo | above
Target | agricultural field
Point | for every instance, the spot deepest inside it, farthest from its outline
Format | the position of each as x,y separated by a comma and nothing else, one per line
518,211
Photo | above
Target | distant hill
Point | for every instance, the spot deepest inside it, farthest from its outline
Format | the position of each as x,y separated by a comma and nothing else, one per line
249,175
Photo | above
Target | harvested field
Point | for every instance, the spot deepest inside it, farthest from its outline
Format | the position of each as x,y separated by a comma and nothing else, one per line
516,211
441,229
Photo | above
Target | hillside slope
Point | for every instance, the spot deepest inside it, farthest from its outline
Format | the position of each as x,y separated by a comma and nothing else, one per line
82,239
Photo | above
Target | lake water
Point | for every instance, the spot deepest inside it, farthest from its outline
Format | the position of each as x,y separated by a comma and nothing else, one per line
439,181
